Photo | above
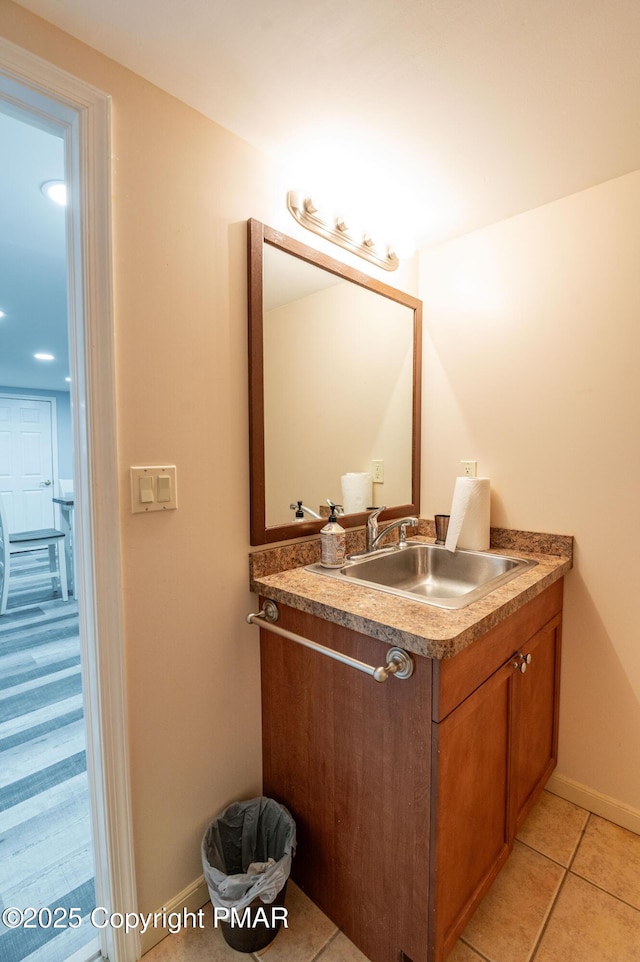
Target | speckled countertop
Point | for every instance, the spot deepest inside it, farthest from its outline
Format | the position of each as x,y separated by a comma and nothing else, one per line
279,574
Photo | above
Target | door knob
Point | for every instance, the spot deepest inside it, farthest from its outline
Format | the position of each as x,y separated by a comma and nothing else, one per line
45,484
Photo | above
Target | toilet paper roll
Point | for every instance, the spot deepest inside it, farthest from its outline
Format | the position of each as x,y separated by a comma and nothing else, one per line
469,526
356,491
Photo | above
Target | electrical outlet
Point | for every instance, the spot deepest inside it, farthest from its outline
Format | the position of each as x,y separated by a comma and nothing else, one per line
469,469
377,472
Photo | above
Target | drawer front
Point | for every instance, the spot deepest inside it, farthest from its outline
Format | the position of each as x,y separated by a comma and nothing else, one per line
454,679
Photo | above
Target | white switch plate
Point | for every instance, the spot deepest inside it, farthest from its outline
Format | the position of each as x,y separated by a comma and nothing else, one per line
152,472
377,472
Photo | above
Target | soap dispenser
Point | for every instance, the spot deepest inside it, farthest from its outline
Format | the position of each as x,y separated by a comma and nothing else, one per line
333,542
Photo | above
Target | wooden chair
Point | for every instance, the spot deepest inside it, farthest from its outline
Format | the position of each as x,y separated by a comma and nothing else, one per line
10,544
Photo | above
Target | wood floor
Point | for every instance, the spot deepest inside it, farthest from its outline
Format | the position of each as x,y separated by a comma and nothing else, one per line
45,836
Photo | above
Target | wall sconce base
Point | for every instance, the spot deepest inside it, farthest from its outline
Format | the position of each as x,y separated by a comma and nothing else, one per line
336,230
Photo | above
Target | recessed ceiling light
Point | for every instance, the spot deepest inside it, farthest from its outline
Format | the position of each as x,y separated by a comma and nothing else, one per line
55,190
2,314
44,357
68,379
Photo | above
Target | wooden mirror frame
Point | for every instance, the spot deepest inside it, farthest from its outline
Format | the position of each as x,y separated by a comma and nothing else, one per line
258,235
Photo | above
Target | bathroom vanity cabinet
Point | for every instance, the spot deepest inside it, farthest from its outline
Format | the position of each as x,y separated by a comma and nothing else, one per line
408,795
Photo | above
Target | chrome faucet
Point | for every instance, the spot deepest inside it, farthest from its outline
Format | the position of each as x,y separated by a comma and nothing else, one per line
372,527
301,509
374,536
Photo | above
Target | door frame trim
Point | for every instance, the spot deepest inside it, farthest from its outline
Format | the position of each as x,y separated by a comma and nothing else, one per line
59,101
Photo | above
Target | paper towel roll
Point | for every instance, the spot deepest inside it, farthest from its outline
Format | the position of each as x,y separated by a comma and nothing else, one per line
356,491
469,526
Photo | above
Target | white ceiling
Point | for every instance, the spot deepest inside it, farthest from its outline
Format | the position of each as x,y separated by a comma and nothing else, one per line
33,284
457,113
435,117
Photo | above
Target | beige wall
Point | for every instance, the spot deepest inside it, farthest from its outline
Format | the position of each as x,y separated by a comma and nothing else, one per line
183,189
532,352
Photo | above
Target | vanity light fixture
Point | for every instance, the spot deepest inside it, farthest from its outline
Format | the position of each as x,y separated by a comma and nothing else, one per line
337,229
55,190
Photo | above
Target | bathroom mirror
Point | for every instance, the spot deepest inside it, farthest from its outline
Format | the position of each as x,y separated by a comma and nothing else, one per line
334,387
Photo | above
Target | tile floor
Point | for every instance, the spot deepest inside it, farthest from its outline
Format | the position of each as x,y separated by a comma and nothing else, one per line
570,892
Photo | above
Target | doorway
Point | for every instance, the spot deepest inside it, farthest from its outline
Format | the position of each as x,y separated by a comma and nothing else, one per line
65,106
48,862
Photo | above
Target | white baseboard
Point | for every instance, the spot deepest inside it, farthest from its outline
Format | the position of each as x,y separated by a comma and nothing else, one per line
191,898
609,808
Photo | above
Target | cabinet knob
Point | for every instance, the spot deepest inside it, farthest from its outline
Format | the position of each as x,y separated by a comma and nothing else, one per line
522,662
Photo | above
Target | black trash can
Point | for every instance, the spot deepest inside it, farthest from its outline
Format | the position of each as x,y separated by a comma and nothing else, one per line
246,860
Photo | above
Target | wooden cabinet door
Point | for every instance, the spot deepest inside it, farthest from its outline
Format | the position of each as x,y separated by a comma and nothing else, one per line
471,754
535,735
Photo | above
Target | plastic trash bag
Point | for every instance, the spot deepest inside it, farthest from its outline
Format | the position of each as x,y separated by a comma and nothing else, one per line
247,852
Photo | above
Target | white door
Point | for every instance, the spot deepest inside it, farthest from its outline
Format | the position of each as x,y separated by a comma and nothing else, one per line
26,462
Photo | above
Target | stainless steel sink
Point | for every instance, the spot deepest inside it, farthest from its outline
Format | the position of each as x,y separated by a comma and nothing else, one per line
429,573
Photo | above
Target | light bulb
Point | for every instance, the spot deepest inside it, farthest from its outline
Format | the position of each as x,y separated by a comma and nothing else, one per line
55,190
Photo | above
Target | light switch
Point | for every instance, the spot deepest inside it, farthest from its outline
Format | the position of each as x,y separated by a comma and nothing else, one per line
164,487
146,489
153,488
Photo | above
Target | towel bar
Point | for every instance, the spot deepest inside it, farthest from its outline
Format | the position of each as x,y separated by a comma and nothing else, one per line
399,663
